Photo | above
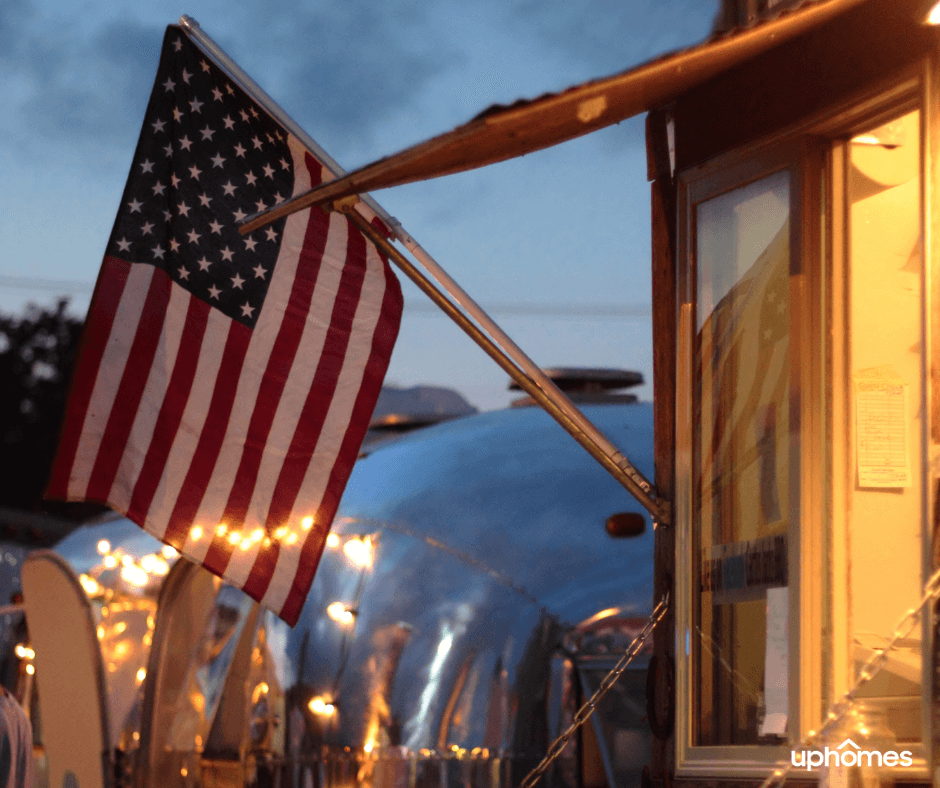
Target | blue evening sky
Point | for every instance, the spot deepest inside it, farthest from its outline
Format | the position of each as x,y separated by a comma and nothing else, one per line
567,226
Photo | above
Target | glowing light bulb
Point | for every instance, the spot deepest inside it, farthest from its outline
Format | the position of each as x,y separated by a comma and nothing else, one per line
332,540
109,561
141,675
195,533
169,551
306,523
104,547
340,613
359,551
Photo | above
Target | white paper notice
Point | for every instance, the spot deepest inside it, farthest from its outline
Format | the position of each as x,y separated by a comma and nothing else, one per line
776,664
881,428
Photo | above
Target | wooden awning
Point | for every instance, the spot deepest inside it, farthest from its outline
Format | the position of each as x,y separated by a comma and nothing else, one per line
505,132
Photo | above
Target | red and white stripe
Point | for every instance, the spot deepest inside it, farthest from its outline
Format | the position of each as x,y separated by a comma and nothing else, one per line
186,421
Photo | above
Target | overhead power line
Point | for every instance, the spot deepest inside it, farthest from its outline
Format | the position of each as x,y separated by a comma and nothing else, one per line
77,287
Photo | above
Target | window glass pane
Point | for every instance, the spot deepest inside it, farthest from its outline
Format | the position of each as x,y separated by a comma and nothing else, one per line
741,463
884,514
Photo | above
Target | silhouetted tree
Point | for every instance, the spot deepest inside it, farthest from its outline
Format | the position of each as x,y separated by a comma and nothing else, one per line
37,349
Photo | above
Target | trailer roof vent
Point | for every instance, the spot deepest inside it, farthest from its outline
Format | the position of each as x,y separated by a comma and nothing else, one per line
588,385
402,410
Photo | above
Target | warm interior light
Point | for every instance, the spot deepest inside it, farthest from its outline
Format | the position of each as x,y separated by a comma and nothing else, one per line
933,17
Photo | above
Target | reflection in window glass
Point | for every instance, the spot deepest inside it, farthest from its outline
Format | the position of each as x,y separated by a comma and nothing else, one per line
741,466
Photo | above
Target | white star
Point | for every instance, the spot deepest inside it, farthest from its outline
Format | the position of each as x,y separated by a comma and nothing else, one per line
244,115
184,274
239,150
272,236
227,254
205,65
214,292
167,215
251,178
174,179
254,114
158,125
196,105
205,200
257,142
237,282
216,227
168,150
270,138
174,245
204,264
217,94
146,228
217,160
247,310
158,252
186,76
260,206
158,188
229,123
124,245
239,215
285,165
229,189
169,84
177,45
259,271
228,89
182,209
207,133
193,236
185,143
177,114
250,244
269,170
195,172
135,206
146,166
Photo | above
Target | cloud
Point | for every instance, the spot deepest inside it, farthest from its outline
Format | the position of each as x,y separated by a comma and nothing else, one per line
613,35
344,71
89,92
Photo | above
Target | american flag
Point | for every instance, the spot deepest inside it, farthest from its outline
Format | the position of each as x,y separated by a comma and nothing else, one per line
225,382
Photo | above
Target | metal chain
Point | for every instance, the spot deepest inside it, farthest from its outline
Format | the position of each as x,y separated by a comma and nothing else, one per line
869,670
588,708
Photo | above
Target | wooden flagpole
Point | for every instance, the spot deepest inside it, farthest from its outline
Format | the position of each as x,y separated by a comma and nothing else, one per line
511,358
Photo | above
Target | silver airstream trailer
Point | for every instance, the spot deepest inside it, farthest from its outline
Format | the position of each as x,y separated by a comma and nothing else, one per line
480,580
